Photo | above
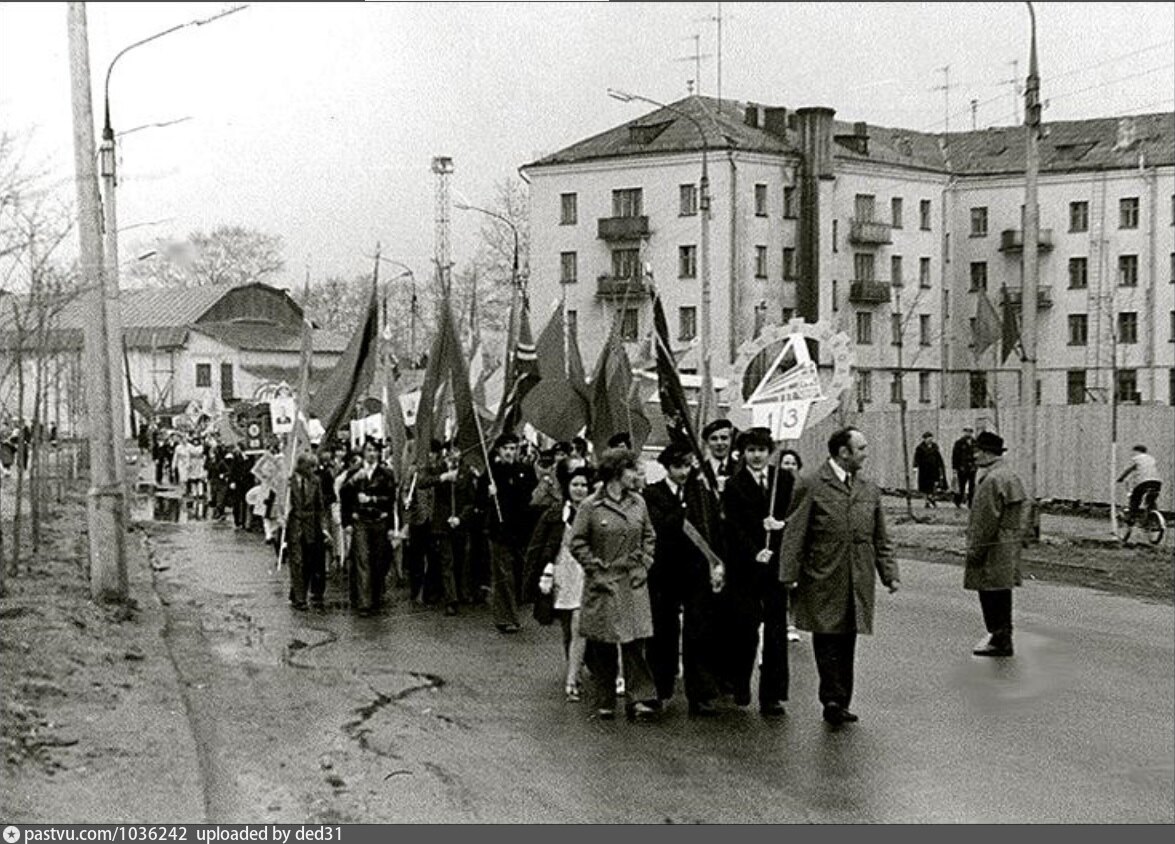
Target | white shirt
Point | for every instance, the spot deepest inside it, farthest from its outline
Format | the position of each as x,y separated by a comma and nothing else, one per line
674,488
1145,468
841,474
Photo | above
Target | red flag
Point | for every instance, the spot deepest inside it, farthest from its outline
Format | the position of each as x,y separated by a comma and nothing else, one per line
616,408
987,324
557,405
1010,334
351,375
447,370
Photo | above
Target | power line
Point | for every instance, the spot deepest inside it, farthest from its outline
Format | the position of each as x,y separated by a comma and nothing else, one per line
1062,95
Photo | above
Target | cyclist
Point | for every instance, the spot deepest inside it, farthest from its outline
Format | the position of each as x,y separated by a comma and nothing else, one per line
1146,482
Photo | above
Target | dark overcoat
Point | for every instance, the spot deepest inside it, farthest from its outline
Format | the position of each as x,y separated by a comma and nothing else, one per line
835,545
614,540
994,531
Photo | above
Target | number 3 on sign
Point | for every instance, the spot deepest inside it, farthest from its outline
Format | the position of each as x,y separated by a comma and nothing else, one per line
789,419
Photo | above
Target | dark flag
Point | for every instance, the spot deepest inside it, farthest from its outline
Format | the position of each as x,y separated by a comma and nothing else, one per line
351,375
448,374
525,373
987,324
616,407
1010,333
558,404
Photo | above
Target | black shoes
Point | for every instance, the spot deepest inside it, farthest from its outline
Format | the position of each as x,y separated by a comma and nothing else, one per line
508,628
997,645
703,708
835,714
772,709
742,698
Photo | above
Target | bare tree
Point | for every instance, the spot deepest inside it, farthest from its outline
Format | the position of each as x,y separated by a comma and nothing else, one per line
226,255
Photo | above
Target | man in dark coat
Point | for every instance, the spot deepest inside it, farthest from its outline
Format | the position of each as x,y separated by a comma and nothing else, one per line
756,500
963,465
307,534
835,545
932,472
503,495
240,480
719,436
453,489
682,581
368,498
994,534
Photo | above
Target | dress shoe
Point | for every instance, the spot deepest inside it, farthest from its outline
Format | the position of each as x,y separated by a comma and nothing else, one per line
451,609
605,714
772,708
641,711
994,648
834,714
847,717
508,628
703,708
742,698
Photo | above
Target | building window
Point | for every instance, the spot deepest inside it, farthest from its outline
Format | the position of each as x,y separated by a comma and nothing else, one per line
895,270
760,262
863,266
1078,218
895,388
895,207
971,323
630,324
203,375
572,324
1078,273
687,262
568,267
979,222
895,329
760,200
835,244
226,381
835,304
1172,340
789,203
946,244
923,329
1075,386
1127,387
1128,270
1171,387
626,263
1173,267
687,323
978,275
788,314
863,205
627,202
924,387
1128,327
924,215
1078,329
1128,212
568,209
978,389
864,386
864,328
789,262
924,272
688,195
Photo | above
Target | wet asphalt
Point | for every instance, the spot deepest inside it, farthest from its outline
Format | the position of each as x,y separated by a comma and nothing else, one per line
416,717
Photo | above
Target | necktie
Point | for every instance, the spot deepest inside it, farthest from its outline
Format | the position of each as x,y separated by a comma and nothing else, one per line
763,480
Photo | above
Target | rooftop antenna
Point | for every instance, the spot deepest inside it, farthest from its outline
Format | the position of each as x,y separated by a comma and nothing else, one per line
974,114
715,18
696,58
1016,90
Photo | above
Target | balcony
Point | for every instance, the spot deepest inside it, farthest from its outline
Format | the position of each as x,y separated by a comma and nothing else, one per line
1044,296
870,232
1012,240
615,287
869,292
623,228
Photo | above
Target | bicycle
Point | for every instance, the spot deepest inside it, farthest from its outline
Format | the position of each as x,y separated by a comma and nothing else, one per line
1151,523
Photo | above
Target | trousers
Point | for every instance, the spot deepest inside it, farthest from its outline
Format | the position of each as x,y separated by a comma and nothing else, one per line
834,654
997,609
603,662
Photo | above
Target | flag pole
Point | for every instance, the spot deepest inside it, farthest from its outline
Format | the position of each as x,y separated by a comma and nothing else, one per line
486,454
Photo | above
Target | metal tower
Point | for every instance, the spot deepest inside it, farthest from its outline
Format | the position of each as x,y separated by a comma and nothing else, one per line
442,166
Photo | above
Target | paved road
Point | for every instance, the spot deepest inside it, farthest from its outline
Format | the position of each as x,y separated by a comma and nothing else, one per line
415,717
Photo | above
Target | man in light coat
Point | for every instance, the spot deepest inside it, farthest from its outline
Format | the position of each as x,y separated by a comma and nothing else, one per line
834,541
994,534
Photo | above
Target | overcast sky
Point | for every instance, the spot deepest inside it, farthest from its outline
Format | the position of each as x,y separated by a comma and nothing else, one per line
318,122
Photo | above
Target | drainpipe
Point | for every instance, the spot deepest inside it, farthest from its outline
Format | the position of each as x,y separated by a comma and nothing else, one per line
734,298
1152,318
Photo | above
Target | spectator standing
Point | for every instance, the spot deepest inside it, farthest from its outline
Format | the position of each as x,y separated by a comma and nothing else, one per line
932,472
963,465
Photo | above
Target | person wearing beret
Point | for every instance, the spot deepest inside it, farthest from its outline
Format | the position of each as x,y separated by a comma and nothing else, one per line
994,533
719,436
756,500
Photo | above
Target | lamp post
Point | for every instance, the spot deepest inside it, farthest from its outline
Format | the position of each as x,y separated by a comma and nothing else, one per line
515,291
411,276
1031,275
706,404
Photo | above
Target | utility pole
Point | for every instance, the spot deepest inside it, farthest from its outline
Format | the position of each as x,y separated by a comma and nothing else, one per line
1031,275
116,356
105,509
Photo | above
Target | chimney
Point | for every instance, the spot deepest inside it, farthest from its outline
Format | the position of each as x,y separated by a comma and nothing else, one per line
751,116
815,128
861,129
775,121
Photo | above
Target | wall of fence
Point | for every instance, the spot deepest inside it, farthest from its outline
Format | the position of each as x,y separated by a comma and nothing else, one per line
1073,444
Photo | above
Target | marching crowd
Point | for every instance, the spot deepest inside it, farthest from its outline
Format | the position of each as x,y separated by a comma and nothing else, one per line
699,573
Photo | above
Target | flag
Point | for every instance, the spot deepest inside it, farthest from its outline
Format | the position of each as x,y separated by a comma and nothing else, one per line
300,433
525,374
351,376
1010,335
615,407
395,432
558,404
447,374
987,324
674,407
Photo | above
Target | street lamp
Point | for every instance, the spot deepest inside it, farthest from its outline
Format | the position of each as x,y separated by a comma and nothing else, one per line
706,404
1031,275
515,290
411,276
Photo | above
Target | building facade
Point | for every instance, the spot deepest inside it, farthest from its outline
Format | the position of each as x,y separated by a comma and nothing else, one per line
891,235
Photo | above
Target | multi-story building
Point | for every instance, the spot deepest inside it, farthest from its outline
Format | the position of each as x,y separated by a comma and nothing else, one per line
890,234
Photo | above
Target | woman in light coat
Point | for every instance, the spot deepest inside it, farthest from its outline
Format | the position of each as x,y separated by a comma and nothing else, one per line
613,539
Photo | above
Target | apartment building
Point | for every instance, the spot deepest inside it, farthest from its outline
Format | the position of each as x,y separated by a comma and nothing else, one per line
890,234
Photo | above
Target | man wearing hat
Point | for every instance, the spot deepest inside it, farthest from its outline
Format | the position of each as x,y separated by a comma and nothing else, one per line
719,435
503,495
994,533
682,582
963,465
932,472
756,500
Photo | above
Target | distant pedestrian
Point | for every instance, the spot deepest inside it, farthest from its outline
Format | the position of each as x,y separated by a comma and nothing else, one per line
307,534
835,545
963,465
994,534
932,471
613,539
